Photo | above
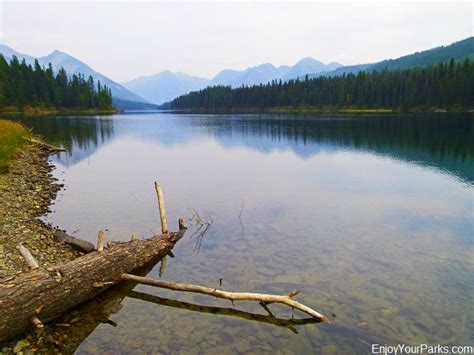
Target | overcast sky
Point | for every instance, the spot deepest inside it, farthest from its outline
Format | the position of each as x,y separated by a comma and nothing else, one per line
124,40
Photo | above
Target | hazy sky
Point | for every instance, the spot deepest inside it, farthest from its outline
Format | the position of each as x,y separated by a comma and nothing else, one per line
124,40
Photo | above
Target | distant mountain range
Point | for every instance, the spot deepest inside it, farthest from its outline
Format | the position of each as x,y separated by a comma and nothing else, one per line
145,92
267,72
75,66
165,86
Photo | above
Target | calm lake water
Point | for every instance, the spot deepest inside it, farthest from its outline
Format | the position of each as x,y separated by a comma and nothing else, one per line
370,217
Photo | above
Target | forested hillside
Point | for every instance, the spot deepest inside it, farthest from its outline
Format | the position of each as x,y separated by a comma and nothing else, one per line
458,51
23,85
445,86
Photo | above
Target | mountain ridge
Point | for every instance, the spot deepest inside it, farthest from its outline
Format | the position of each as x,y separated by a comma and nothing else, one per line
457,50
72,66
166,85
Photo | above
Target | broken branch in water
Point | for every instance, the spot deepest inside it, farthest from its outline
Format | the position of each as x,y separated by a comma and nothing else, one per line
231,296
240,218
100,241
161,207
203,226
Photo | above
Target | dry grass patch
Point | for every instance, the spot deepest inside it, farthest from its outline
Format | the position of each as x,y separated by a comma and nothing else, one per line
13,136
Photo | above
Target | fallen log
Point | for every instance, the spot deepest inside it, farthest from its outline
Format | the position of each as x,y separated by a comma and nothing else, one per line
45,294
78,244
38,296
231,296
67,332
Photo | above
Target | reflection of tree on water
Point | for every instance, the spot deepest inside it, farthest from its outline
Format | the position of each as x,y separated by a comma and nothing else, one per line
444,142
79,136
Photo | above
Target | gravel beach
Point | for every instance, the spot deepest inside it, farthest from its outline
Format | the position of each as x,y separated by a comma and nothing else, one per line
26,192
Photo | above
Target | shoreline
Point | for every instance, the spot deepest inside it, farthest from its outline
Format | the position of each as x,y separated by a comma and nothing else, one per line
26,192
314,110
31,111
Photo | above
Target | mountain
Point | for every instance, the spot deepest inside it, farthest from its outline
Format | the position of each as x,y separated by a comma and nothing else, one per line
262,73
133,105
308,65
165,86
457,51
73,66
225,76
8,53
267,72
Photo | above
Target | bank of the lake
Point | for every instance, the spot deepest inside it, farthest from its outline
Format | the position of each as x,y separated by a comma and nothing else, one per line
26,192
319,110
39,111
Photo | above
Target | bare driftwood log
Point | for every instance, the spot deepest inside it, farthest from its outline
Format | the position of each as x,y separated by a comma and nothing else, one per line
231,296
29,259
161,206
44,294
270,318
78,244
100,241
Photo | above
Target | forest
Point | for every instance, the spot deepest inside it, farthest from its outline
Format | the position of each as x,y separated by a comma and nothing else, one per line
23,85
446,85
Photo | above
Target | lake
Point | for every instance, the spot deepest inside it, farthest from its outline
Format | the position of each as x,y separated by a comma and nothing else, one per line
371,217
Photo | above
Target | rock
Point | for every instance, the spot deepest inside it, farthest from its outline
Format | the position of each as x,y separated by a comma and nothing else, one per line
20,346
243,346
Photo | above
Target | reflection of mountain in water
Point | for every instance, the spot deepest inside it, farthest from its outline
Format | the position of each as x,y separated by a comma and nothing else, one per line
443,142
81,137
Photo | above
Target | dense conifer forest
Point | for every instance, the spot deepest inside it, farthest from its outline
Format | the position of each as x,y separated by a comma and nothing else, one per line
23,85
447,85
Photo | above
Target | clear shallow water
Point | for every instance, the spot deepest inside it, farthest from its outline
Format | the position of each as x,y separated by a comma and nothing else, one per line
371,218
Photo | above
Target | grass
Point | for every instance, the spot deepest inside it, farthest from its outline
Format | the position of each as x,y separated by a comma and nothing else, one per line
13,136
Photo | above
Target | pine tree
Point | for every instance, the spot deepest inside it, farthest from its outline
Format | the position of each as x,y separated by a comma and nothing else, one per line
25,85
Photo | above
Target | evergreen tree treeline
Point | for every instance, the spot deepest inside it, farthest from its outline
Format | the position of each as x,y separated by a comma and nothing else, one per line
23,85
444,85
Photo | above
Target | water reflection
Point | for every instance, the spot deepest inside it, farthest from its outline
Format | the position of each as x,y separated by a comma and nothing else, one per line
442,142
231,312
79,137
370,217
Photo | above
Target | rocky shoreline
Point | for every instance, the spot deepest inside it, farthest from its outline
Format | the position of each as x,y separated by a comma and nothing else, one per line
26,192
